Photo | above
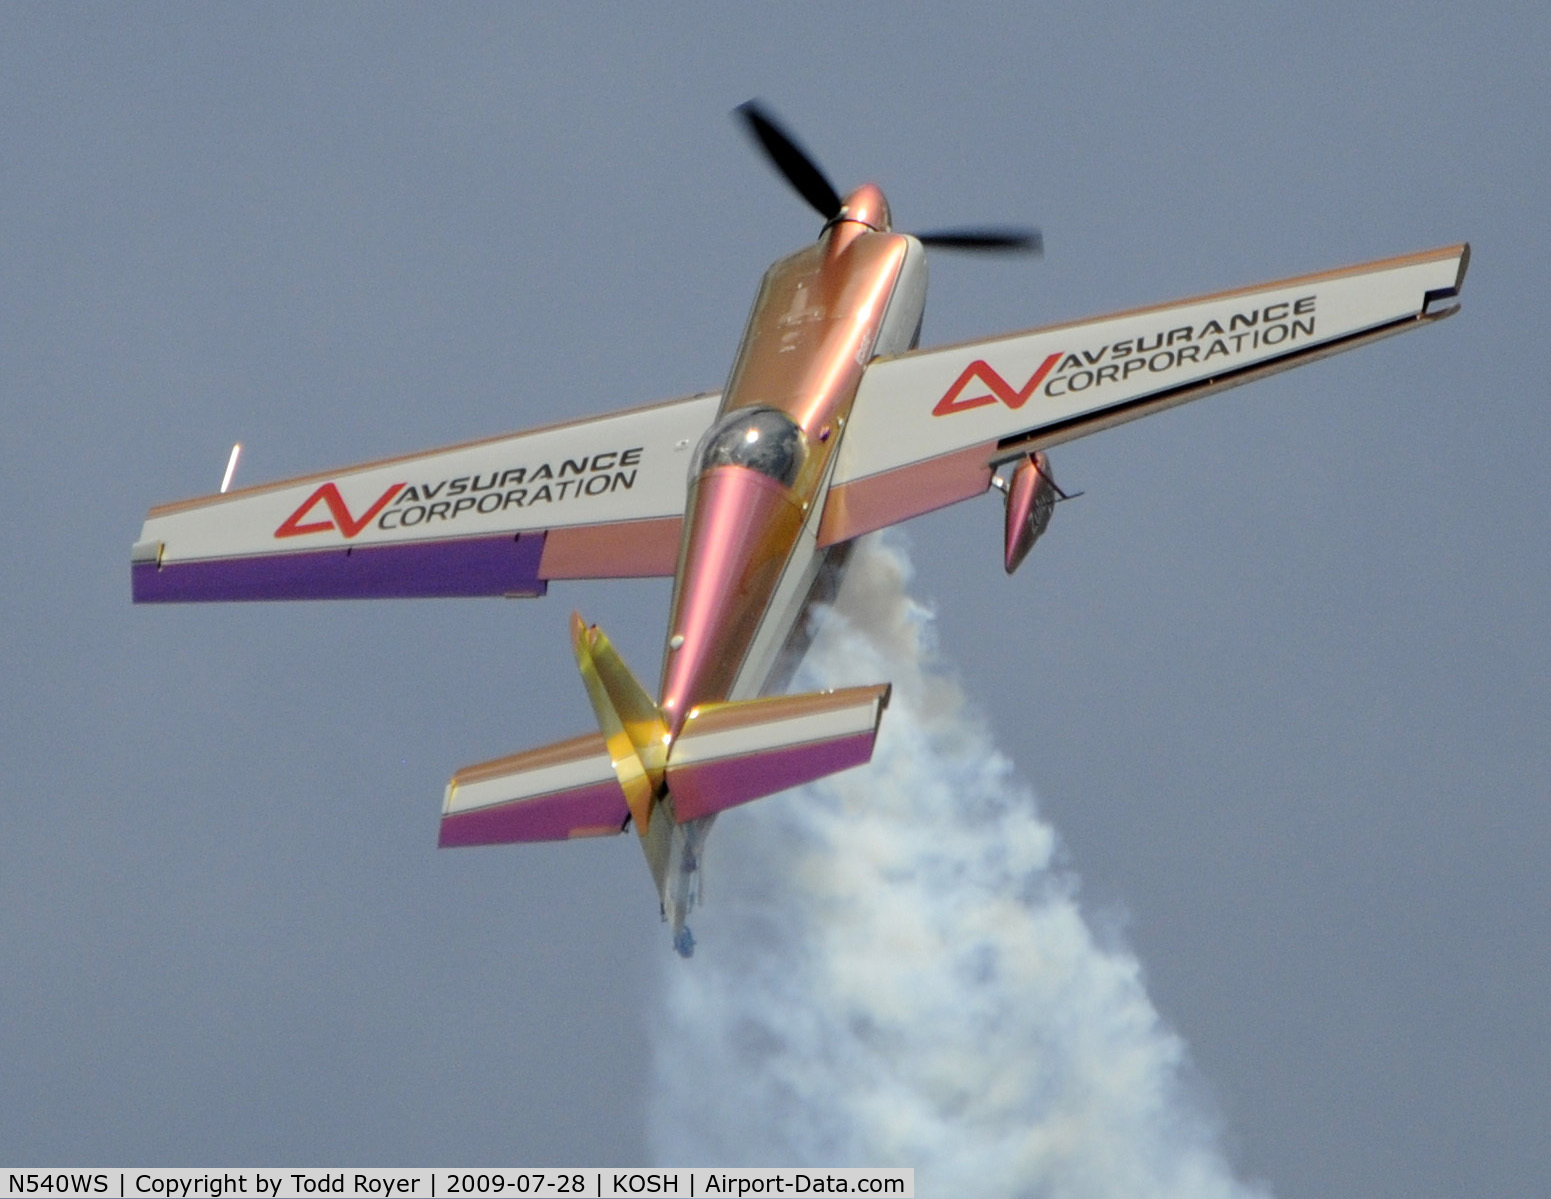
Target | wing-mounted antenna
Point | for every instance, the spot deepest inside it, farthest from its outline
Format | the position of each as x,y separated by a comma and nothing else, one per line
231,468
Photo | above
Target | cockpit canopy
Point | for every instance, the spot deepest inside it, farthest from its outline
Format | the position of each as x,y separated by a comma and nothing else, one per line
759,438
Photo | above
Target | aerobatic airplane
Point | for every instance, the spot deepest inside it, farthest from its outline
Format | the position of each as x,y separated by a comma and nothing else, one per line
832,424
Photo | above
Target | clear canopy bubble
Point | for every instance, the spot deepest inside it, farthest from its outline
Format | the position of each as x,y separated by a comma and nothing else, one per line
761,439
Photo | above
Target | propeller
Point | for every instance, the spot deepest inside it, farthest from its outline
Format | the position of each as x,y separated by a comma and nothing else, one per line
791,160
1015,239
809,181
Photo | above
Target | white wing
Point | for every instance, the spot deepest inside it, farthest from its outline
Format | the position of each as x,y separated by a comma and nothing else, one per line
929,427
598,498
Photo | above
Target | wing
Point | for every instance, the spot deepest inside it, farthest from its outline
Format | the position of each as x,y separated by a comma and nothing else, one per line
599,498
929,427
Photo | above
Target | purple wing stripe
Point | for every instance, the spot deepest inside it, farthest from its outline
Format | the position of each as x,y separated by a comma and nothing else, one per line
583,812
504,565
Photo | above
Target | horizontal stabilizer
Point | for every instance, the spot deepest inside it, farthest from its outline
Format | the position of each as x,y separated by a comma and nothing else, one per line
559,791
727,754
730,753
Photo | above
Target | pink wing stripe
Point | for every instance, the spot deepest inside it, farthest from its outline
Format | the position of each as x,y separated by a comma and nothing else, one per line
582,812
705,788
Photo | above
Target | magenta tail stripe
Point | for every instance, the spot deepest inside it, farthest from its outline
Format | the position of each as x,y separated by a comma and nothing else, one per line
704,788
585,811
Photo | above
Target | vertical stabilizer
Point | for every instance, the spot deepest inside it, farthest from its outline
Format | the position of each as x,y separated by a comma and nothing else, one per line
637,738
632,726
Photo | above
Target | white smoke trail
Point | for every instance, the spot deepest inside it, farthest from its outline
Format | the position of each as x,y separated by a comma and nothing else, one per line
892,971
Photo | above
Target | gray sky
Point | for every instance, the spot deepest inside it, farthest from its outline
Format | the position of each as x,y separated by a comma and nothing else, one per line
1281,678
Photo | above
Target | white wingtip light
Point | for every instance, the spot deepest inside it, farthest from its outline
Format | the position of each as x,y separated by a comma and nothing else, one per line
231,468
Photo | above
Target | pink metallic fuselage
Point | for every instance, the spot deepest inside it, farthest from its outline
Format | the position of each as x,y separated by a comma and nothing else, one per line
749,543
743,527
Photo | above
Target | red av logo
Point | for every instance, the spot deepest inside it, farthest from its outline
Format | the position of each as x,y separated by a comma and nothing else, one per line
999,388
339,513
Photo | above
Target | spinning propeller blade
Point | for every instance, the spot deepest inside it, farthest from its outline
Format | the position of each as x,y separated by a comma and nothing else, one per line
791,160
1004,238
